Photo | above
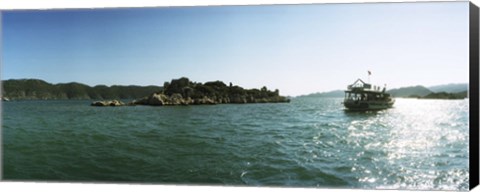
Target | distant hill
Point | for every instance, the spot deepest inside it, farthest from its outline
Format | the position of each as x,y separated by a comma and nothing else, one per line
336,93
38,89
414,91
450,88
448,91
445,95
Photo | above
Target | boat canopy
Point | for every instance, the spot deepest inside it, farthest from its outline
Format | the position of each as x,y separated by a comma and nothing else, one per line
360,86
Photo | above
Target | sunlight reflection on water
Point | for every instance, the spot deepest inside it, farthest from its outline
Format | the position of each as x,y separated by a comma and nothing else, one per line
417,131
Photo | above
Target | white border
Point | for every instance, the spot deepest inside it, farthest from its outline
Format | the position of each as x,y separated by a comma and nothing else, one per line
62,4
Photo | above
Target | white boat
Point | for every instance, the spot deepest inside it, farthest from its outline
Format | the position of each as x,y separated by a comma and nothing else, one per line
362,96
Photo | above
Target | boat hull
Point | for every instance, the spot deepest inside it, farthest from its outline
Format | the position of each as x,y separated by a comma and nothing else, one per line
366,105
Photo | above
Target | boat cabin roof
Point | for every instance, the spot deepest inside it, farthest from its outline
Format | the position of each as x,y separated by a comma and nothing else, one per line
359,86
367,91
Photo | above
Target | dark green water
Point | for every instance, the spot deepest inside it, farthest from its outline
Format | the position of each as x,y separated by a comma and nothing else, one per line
419,144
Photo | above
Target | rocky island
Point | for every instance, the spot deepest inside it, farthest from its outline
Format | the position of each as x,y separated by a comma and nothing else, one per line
182,91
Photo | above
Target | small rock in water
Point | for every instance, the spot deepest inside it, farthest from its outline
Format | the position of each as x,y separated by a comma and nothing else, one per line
107,103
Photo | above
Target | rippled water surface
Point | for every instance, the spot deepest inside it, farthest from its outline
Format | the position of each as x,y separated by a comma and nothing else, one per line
310,142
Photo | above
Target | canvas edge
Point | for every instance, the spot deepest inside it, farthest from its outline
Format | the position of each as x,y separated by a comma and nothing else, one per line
474,95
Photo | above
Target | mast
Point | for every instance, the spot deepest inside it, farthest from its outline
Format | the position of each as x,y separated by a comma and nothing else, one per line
369,74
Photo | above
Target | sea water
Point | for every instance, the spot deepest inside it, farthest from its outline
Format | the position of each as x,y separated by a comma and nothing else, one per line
309,142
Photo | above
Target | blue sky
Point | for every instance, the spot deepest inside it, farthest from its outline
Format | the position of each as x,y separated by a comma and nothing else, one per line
298,49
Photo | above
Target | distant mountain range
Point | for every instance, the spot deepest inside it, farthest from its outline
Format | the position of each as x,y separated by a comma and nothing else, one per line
442,91
414,91
450,88
336,93
39,89
438,91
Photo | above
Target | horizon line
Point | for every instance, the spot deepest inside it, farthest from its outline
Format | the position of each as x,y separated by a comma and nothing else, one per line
111,85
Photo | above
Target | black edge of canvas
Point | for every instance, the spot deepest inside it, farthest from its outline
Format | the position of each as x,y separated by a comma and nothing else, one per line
473,95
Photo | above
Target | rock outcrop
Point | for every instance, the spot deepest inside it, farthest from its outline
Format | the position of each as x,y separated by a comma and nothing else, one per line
184,92
113,103
159,99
